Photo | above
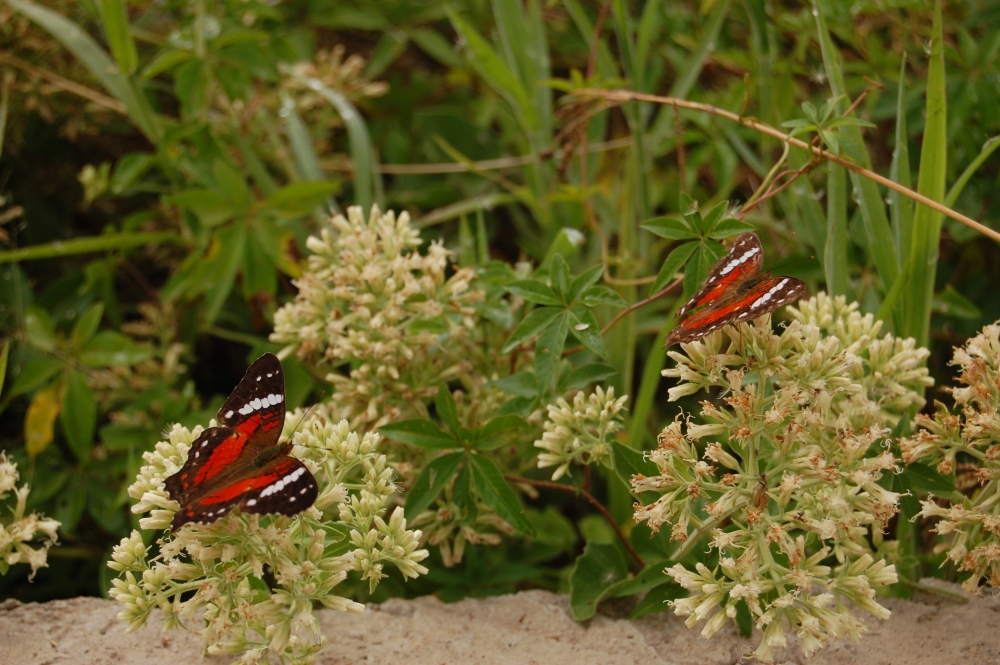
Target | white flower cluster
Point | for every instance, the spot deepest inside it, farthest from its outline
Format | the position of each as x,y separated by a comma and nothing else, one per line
970,524
18,532
370,302
580,433
249,581
784,475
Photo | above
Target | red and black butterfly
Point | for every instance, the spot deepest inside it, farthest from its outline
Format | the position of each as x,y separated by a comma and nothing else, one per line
735,291
240,462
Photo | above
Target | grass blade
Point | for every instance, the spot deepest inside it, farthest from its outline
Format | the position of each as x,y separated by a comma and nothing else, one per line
606,64
358,139
496,72
876,222
930,183
900,207
104,243
835,261
116,27
989,147
97,61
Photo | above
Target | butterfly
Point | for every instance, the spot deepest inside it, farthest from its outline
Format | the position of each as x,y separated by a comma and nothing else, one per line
240,462
735,290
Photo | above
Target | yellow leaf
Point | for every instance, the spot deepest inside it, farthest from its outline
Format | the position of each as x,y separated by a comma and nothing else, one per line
39,421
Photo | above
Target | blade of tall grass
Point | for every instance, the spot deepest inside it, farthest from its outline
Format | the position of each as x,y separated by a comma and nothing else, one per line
836,266
116,27
988,148
496,72
873,214
688,75
522,34
930,183
103,243
802,204
900,207
4,109
606,64
306,161
97,61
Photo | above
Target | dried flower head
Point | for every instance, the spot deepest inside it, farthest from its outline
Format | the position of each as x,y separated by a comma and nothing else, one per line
784,475
20,531
249,582
391,317
968,437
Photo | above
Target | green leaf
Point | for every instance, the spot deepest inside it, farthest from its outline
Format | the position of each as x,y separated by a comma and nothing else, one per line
420,433
232,184
78,415
631,462
657,600
560,275
191,87
500,431
583,376
129,169
39,330
729,227
534,290
300,198
113,349
923,478
531,325
35,373
650,577
583,281
549,348
950,302
670,228
211,207
430,482
436,46
595,576
522,384
86,325
675,261
602,295
585,328
497,494
116,27
447,410
259,273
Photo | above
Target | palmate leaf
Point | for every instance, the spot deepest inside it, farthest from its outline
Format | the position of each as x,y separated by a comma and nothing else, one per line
430,482
421,433
549,348
531,325
675,261
595,576
500,431
498,495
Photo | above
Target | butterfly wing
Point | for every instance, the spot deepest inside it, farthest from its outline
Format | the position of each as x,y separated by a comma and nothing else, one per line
225,459
283,486
765,296
743,260
256,406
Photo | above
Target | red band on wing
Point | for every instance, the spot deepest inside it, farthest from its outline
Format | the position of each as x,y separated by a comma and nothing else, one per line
224,454
244,486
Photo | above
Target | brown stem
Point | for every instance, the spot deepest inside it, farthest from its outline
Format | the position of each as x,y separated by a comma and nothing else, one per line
629,95
631,308
772,191
593,501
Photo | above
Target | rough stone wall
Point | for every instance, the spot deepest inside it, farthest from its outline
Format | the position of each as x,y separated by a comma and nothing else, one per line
530,627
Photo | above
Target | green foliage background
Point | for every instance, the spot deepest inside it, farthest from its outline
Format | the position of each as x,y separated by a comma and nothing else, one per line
213,157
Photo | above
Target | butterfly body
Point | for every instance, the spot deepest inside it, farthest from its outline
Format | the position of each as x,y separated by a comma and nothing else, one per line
735,290
240,463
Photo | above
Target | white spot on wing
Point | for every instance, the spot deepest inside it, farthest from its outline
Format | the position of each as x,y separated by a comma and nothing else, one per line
229,413
252,502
